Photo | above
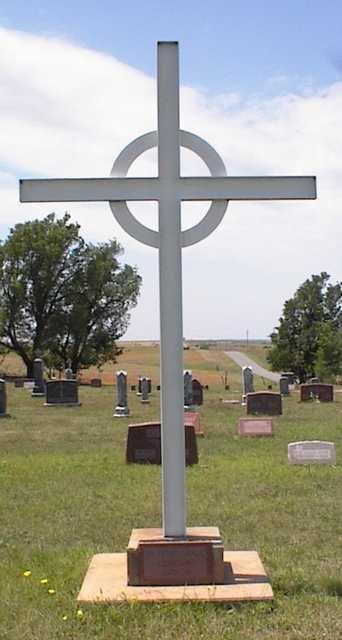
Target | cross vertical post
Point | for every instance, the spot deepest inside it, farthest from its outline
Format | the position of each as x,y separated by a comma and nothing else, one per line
170,292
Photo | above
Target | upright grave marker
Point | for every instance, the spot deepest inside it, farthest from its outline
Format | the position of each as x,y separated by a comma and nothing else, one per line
121,409
169,189
3,399
38,374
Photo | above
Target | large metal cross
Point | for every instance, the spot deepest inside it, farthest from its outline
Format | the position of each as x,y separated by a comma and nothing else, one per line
169,189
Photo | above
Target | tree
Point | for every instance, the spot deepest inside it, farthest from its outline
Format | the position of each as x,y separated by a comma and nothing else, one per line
329,353
295,342
49,278
95,313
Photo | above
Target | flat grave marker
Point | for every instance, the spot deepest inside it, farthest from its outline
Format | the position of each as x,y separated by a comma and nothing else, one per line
255,427
311,452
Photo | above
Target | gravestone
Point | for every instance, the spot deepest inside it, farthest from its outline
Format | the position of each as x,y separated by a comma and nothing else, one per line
96,383
290,376
3,399
321,391
197,393
264,403
192,418
144,444
255,427
311,452
19,383
62,393
314,380
29,384
139,387
145,387
69,375
133,387
38,374
247,380
121,410
187,378
284,386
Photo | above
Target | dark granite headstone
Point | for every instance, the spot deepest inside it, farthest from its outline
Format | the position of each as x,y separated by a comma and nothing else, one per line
264,403
284,386
324,392
144,445
38,374
3,399
158,387
133,387
96,382
62,393
197,392
19,383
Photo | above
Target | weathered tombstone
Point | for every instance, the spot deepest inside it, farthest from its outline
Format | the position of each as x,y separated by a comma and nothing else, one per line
133,387
247,380
62,393
96,383
158,387
284,386
264,403
69,375
314,380
19,383
255,427
197,393
290,376
144,443
3,399
187,378
192,418
311,452
38,374
121,409
169,188
321,391
145,386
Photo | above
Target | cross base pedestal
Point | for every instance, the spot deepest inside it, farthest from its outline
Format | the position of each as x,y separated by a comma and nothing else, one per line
155,560
244,578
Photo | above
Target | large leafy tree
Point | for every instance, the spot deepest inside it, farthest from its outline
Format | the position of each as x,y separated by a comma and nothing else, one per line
60,296
96,309
314,311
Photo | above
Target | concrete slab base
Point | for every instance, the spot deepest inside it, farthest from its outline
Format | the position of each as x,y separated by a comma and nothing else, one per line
106,581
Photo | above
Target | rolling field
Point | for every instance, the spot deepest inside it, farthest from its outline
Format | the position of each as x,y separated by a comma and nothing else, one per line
66,494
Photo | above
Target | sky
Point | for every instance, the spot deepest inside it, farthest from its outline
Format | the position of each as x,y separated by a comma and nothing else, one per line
260,81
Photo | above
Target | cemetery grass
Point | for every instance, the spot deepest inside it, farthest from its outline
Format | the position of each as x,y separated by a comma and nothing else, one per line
66,494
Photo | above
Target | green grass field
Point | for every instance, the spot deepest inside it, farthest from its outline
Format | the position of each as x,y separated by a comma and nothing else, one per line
66,493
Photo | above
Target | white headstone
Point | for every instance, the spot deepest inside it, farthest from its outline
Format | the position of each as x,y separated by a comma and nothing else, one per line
311,452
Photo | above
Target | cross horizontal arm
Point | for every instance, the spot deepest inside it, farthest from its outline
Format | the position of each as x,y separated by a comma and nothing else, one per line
89,189
254,188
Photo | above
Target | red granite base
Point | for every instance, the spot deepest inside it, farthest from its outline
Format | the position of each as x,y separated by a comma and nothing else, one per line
153,560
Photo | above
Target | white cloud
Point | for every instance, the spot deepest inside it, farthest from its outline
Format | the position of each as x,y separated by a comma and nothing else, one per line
67,111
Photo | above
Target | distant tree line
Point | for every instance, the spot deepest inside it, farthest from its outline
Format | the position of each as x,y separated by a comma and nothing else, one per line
308,339
62,298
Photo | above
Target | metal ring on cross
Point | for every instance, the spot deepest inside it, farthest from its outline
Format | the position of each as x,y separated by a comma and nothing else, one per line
148,236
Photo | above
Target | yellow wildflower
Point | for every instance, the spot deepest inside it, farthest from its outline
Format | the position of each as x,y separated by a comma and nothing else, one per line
51,591
44,581
79,613
64,617
27,574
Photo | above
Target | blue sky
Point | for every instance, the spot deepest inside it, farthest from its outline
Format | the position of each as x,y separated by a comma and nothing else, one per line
237,45
261,82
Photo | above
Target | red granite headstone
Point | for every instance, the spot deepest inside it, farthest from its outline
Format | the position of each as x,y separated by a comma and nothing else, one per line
255,427
192,418
324,392
96,382
264,403
144,444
